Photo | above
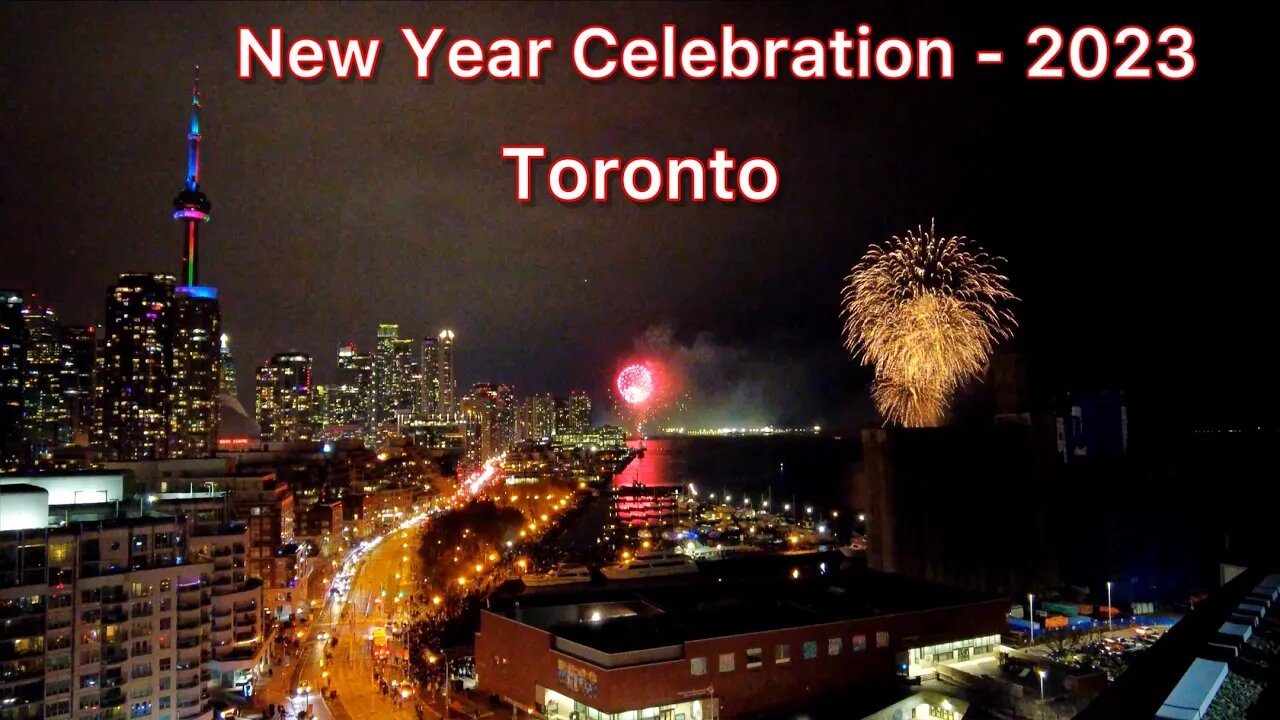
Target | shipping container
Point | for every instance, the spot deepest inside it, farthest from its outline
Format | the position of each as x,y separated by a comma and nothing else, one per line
1023,625
1107,610
1080,622
1055,622
1061,608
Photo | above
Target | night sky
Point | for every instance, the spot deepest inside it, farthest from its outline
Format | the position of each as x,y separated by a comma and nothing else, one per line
1139,257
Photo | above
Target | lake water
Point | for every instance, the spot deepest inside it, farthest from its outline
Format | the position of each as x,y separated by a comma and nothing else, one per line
814,470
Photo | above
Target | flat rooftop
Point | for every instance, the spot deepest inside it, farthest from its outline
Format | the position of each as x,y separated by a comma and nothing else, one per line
728,597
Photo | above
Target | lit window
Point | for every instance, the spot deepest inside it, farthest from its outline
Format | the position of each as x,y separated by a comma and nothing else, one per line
781,654
833,646
882,639
698,666
859,643
810,650
726,662
755,657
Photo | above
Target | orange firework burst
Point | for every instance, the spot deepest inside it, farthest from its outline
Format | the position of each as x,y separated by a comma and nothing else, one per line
926,311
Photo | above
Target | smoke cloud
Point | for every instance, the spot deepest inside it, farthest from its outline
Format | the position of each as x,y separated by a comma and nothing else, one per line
709,384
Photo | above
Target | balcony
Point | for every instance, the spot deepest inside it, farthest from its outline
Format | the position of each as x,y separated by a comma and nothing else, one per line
115,657
113,698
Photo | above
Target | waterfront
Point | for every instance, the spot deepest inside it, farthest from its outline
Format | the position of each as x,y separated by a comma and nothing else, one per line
815,470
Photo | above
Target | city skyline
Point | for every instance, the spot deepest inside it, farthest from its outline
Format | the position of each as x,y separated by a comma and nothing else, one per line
368,203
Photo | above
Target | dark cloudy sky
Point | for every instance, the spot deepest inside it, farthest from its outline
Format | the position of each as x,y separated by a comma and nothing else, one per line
338,206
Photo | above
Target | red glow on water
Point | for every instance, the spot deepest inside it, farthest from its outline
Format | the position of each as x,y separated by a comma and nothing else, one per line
636,384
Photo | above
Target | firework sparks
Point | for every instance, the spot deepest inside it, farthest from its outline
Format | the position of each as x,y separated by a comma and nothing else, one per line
635,384
926,311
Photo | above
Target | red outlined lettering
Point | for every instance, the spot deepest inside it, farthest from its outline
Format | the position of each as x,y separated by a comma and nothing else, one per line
1180,41
1041,70
1075,54
1129,68
423,51
748,189
365,61
524,155
697,178
271,62
629,187
555,180
600,34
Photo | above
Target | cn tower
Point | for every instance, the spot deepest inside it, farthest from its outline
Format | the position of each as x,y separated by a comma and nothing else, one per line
191,207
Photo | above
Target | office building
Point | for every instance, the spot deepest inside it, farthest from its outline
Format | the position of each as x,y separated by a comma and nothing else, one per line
720,646
12,363
137,363
283,398
46,420
196,377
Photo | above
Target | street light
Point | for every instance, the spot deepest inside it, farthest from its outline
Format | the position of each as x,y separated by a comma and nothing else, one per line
1041,673
1110,611
1031,610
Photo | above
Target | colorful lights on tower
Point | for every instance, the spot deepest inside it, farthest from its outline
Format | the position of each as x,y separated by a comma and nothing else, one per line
191,207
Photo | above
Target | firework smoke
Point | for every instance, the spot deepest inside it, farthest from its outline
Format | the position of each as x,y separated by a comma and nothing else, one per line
926,311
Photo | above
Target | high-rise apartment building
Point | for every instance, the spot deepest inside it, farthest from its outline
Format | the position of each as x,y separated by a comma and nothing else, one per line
536,419
46,419
431,377
197,360
283,398
137,366
227,368
445,376
489,412
12,362
80,353
394,391
355,370
116,616
579,411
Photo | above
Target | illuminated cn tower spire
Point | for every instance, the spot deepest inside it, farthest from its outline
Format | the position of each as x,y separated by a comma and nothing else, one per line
191,207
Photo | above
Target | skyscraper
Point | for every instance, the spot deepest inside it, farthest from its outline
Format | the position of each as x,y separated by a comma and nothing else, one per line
80,352
45,417
196,377
137,363
355,370
580,411
448,406
394,389
227,370
197,324
537,417
283,398
430,377
12,360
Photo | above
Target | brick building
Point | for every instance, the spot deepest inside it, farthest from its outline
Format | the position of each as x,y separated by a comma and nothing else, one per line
705,647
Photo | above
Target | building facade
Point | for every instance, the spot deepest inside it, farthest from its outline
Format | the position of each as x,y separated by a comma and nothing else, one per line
283,398
137,366
123,617
197,359
12,363
715,651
